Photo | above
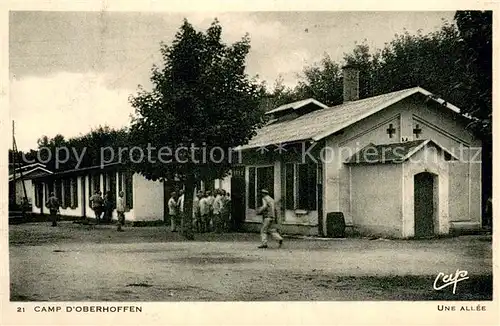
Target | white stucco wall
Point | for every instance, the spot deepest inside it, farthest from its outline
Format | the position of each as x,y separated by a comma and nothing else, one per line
437,123
148,199
443,127
373,129
376,203
20,191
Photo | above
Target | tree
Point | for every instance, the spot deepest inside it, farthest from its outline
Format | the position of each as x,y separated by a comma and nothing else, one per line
475,31
91,148
201,99
322,82
280,94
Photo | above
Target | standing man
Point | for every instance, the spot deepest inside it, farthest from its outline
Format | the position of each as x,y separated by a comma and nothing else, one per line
53,206
217,211
210,221
180,209
225,211
231,223
97,204
204,212
109,207
172,211
197,212
120,211
269,220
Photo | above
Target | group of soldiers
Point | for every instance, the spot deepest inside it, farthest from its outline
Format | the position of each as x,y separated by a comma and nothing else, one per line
103,207
211,211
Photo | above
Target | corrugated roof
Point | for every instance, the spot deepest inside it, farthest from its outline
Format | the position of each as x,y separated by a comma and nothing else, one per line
392,153
324,122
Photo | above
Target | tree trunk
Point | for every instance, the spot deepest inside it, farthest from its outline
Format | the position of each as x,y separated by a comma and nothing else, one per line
187,217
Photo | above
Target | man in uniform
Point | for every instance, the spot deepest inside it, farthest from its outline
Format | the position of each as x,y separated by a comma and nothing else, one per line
53,206
173,211
197,212
268,212
97,204
120,211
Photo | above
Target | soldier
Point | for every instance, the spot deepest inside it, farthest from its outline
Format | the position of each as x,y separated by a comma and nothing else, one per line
204,213
109,207
53,205
197,212
218,206
172,211
120,211
210,220
180,209
269,220
97,204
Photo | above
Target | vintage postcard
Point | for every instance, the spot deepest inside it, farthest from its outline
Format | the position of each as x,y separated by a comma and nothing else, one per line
248,164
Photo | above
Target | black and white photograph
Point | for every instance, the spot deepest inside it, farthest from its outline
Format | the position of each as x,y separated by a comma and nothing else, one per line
249,156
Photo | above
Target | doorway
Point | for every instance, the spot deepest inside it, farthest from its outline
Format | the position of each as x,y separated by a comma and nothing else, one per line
424,204
238,205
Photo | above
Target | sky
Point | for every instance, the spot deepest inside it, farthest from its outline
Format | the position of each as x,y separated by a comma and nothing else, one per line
73,71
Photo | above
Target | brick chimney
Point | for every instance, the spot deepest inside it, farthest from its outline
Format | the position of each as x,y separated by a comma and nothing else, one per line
351,83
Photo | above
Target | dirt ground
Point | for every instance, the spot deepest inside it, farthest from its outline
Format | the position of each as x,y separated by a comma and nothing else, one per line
74,262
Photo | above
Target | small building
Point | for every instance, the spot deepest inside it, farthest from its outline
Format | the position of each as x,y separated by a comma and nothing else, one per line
400,164
20,181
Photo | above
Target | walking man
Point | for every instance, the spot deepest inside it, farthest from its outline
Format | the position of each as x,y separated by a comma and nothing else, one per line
172,211
120,211
97,204
53,206
269,220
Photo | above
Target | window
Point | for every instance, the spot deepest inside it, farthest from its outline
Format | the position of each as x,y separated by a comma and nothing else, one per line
259,178
58,189
38,194
49,187
94,183
74,193
111,184
66,202
301,186
290,186
120,181
129,191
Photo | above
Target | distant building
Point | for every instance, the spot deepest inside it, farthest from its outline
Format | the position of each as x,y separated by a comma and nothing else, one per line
23,174
145,200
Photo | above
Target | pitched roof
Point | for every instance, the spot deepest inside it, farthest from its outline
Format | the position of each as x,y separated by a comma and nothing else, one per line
393,153
297,105
28,170
324,122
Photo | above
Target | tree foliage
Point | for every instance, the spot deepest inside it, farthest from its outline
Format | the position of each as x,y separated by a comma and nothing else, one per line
92,145
454,62
201,99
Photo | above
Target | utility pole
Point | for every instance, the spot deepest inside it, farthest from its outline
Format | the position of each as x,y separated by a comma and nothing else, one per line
14,153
